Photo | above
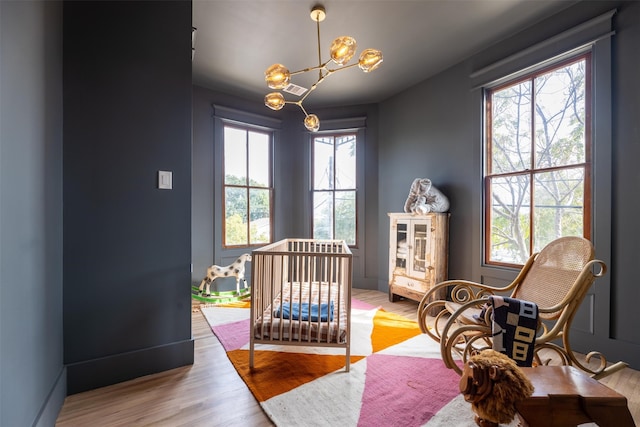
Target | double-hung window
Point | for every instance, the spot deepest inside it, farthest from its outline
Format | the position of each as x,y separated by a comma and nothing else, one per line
248,186
334,187
537,171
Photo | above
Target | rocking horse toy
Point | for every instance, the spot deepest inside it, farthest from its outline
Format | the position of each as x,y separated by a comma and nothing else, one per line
235,269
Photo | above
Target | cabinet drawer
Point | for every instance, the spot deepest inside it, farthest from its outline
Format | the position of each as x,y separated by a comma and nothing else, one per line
411,283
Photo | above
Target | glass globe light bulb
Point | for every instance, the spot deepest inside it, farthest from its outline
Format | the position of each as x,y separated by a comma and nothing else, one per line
277,76
342,49
274,100
370,59
312,122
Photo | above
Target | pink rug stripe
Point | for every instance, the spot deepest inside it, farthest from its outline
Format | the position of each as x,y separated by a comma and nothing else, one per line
234,335
361,305
408,391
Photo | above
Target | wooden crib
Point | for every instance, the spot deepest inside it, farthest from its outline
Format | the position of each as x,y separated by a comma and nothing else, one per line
301,294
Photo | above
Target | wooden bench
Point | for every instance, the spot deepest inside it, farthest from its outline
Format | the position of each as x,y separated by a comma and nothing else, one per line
565,396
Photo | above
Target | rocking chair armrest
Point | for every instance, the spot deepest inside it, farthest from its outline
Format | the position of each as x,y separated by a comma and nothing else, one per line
463,291
473,312
435,300
466,290
438,288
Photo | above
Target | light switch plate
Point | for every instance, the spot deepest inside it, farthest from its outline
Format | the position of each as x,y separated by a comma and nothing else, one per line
165,180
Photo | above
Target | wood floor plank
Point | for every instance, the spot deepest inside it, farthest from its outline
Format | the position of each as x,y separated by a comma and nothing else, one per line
210,392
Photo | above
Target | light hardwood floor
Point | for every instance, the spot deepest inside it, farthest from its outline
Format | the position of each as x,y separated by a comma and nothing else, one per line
210,393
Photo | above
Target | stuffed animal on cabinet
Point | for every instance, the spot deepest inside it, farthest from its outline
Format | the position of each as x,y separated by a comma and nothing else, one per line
424,197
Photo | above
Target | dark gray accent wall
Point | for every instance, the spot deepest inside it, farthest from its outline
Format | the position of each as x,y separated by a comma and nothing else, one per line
626,176
32,375
427,132
434,130
127,244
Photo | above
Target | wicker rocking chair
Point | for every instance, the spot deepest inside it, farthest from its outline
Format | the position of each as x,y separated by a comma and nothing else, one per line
556,279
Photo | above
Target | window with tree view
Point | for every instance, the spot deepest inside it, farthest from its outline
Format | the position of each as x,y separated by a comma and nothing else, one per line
538,163
334,187
247,187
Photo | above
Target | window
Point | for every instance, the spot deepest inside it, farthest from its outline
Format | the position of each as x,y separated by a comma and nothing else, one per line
247,187
334,187
538,162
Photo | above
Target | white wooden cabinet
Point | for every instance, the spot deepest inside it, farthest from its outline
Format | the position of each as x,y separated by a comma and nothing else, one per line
418,253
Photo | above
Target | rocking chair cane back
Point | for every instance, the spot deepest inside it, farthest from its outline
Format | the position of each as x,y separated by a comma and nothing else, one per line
556,279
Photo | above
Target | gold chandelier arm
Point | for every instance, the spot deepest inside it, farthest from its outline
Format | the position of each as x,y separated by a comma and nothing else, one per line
341,51
321,79
323,67
299,103
319,67
329,71
313,87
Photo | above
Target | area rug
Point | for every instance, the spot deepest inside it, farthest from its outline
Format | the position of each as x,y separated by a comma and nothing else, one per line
396,377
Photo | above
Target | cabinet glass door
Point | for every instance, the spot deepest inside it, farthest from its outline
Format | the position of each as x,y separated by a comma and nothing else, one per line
402,251
420,250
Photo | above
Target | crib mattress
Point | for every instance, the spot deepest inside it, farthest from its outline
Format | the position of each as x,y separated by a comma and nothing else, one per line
319,329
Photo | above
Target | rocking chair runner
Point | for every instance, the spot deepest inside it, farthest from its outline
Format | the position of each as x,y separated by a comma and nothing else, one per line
556,279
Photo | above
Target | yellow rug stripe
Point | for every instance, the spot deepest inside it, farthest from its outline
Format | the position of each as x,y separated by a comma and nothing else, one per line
236,304
391,329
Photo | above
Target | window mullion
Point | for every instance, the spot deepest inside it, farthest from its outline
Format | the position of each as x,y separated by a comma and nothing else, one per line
533,165
333,192
246,183
248,215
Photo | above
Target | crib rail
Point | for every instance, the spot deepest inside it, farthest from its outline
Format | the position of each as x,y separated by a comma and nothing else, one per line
301,294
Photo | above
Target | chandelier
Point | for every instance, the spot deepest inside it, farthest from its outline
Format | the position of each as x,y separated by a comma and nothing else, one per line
341,51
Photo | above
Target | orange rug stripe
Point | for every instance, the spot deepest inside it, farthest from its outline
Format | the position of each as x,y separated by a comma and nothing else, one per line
283,371
390,329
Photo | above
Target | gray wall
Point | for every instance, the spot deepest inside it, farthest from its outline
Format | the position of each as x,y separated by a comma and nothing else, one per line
434,129
127,115
426,132
291,181
123,308
626,177
32,384
127,244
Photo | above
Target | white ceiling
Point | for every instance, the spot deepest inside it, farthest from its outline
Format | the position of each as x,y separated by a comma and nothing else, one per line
236,40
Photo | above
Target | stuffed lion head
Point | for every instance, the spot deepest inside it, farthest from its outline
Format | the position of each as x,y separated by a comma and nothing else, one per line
493,384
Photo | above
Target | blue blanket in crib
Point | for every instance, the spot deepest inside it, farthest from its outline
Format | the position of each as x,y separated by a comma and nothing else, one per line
305,311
